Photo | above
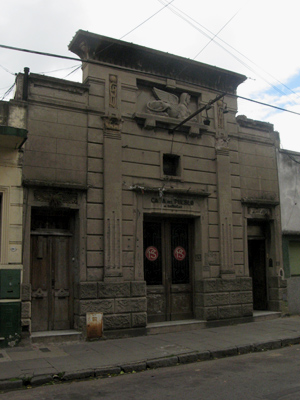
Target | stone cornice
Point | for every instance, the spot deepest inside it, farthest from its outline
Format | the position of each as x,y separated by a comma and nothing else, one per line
90,46
165,190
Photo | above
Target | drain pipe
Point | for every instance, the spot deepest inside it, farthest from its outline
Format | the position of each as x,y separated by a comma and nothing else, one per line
25,84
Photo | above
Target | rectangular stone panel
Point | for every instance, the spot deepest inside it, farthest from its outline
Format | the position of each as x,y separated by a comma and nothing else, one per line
95,179
70,176
95,164
95,150
95,195
138,289
226,285
95,135
232,311
130,305
215,299
113,290
94,211
99,305
87,290
70,147
95,227
240,297
95,243
117,321
139,320
94,274
95,259
206,286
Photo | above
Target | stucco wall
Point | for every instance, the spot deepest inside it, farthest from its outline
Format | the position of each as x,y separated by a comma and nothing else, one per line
289,181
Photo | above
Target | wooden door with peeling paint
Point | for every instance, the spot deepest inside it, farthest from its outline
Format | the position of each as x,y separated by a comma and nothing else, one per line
51,282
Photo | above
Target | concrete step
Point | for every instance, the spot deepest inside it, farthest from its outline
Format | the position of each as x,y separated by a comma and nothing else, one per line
56,336
174,326
180,326
265,315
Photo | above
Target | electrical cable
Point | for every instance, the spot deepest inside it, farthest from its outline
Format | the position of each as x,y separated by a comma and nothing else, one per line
98,63
180,14
57,70
8,91
72,72
6,70
132,30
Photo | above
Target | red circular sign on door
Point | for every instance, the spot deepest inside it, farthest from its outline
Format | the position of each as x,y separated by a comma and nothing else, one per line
179,253
151,253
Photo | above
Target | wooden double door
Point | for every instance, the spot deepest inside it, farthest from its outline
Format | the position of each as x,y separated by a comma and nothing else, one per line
167,269
51,282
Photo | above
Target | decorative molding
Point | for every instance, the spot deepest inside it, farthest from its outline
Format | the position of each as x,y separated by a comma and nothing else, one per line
113,91
152,121
159,190
260,202
112,123
55,198
61,293
39,293
263,212
112,252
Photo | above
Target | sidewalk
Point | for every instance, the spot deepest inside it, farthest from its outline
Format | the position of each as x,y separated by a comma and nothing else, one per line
39,364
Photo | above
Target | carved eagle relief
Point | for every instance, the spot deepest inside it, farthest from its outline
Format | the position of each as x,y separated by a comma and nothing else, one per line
169,104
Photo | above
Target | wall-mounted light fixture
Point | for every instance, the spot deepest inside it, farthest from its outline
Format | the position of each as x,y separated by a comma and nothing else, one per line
206,121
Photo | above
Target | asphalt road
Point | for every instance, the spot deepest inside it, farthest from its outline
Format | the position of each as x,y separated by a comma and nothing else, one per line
272,375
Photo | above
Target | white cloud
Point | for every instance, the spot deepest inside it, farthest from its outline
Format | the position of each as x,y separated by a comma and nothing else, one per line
263,31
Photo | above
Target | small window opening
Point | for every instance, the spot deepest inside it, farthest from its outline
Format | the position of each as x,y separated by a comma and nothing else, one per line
171,164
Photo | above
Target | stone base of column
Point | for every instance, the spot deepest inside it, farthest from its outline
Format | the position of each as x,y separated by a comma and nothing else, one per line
221,299
123,304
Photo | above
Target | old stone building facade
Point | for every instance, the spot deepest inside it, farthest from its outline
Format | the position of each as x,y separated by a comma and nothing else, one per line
288,171
130,215
12,137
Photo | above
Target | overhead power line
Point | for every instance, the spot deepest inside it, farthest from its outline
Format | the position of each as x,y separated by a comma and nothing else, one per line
97,62
211,36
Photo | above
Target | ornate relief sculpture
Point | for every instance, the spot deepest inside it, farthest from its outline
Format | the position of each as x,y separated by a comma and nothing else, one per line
113,81
169,104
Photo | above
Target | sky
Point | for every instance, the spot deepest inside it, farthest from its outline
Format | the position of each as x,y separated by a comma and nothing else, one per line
257,38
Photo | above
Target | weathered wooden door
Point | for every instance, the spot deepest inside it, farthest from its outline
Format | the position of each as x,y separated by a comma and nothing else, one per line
167,270
51,282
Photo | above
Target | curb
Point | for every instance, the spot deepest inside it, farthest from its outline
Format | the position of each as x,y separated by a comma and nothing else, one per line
139,366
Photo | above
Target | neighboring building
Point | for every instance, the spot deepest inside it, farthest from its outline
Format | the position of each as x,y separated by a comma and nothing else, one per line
124,216
289,175
12,136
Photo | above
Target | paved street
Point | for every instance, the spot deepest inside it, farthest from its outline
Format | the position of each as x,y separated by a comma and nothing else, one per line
47,363
272,375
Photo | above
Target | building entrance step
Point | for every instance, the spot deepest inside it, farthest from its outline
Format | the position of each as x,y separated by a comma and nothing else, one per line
174,326
56,336
265,315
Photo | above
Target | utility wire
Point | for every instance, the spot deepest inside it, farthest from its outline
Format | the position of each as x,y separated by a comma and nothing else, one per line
6,70
132,30
97,63
58,70
72,72
8,91
216,35
188,19
146,20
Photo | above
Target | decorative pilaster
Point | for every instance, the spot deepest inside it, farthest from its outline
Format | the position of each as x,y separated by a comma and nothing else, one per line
224,205
112,197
